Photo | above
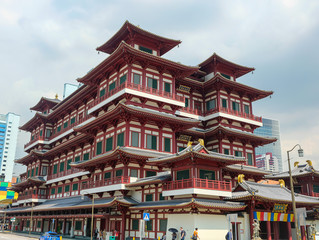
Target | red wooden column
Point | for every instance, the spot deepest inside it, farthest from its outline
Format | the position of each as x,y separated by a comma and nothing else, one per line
276,230
122,237
303,232
160,137
289,231
251,216
268,230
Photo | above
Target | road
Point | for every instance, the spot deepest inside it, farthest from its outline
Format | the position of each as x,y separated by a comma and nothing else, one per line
9,236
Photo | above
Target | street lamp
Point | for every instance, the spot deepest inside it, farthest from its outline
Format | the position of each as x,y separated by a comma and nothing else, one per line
300,153
82,197
31,225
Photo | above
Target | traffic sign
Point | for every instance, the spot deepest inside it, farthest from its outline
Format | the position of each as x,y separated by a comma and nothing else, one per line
146,216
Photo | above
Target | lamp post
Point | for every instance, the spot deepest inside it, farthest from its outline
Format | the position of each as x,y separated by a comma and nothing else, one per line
31,221
300,153
82,197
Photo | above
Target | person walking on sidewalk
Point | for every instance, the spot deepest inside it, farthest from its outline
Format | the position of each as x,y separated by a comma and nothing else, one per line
183,234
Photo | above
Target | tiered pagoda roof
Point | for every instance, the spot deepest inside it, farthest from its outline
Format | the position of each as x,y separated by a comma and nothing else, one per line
45,103
302,170
134,34
126,54
216,63
29,182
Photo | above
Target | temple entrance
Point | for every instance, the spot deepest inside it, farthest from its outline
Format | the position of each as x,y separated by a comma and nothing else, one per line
282,230
46,225
67,230
278,230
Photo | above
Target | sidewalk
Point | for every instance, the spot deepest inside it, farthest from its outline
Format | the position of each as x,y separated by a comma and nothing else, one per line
37,236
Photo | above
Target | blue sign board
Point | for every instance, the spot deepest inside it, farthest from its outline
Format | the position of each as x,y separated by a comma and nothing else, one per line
146,216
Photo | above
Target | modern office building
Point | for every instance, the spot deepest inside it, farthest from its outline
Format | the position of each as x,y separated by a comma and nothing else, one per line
271,128
9,124
267,162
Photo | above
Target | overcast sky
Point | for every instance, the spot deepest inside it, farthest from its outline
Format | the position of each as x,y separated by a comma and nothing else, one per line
44,44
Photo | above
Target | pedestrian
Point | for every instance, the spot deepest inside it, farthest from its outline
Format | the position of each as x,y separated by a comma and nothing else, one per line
163,237
229,235
104,234
174,236
195,234
183,234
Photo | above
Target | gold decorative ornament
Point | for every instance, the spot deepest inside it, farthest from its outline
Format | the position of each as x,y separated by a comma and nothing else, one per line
309,163
201,142
281,182
296,164
189,144
241,178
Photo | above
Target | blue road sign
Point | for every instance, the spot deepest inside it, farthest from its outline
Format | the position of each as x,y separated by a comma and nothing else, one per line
146,216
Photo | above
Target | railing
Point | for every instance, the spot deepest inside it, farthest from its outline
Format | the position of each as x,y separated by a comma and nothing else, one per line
58,133
139,88
314,194
31,196
197,183
106,182
223,110
64,173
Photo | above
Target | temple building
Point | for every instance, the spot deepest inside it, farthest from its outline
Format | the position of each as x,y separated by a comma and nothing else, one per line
146,135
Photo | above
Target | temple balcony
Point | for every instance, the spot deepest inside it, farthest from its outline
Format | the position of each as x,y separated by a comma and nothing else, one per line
70,173
35,198
57,135
106,185
220,112
197,186
139,91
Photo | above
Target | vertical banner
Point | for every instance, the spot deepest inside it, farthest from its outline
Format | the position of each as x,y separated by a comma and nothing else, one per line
301,214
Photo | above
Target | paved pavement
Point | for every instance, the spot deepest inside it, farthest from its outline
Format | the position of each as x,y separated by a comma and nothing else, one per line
9,236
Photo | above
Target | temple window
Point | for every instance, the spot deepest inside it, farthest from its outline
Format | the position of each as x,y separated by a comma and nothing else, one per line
55,168
135,139
238,153
211,104
59,128
224,103
167,87
123,79
151,142
73,119
184,174
225,76
67,188
149,197
77,159
109,144
68,164
120,139
235,106
152,83
226,151
145,49
107,175
62,166
197,105
78,225
32,172
65,125
37,171
44,170
136,78
41,132
246,109
249,158
135,224
206,174
167,144
149,225
161,197
99,148
186,102
75,187
111,86
102,92
134,173
119,173
86,156
52,191
316,188
150,173
59,189
163,225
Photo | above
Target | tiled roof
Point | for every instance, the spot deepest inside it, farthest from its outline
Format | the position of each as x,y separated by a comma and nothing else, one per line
298,171
247,168
180,203
268,192
151,180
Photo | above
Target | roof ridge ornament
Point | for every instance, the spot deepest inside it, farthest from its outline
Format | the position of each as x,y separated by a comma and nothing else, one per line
56,96
201,142
296,164
189,144
241,178
281,182
309,163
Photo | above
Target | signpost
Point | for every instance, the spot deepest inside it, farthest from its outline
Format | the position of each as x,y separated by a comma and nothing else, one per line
146,217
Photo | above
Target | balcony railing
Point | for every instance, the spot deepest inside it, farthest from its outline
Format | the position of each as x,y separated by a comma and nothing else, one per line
58,133
223,110
106,182
64,173
314,194
197,183
139,88
31,196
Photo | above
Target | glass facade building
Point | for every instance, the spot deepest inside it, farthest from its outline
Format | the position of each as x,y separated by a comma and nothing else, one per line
270,128
9,125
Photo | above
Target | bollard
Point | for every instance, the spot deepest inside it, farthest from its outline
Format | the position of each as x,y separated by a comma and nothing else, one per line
133,238
159,238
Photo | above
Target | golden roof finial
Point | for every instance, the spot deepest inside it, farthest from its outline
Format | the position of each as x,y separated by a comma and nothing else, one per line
309,163
201,142
56,96
241,178
282,183
296,164
189,144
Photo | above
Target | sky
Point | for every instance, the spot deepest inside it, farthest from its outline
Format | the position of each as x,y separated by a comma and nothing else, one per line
44,44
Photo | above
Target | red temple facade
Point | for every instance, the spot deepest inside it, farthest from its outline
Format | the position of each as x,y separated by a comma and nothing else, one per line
143,134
